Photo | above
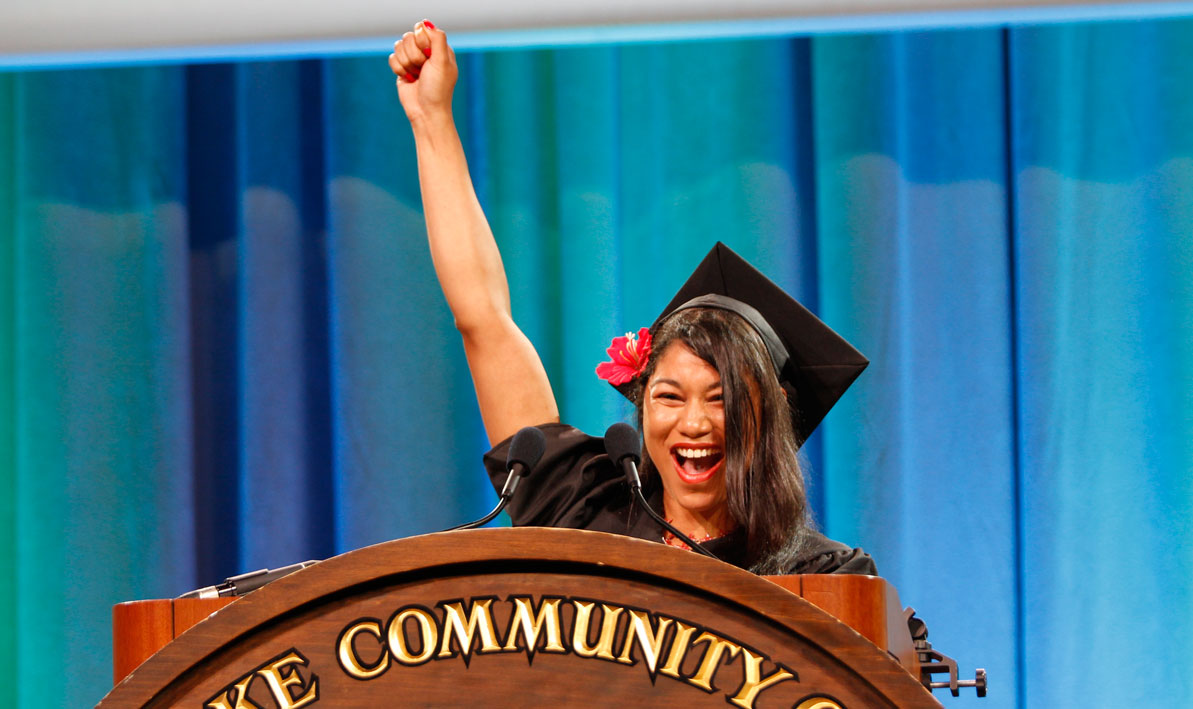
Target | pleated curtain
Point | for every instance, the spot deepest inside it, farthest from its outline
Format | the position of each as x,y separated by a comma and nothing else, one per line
223,347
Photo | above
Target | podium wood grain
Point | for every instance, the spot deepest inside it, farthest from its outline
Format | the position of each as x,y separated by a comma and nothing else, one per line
304,616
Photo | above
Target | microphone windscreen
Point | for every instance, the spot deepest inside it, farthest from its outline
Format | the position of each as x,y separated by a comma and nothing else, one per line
622,440
527,448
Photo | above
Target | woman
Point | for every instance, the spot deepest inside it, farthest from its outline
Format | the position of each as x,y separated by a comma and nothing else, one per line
714,397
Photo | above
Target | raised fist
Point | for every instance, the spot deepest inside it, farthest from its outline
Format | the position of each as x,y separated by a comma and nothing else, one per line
426,69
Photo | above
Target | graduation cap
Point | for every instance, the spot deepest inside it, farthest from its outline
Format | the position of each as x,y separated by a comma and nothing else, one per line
815,365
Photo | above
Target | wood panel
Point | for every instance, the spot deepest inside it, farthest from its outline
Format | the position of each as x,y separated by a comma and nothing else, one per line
141,628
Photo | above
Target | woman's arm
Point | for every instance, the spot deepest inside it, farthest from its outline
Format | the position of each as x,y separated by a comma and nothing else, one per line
511,384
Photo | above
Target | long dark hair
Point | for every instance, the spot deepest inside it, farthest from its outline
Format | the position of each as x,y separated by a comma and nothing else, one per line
764,485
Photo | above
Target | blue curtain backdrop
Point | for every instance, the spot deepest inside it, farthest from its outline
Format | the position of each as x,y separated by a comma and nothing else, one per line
222,345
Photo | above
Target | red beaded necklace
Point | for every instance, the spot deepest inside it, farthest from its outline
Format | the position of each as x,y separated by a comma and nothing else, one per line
671,540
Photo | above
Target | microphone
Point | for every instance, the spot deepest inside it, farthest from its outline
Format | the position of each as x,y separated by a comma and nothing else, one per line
242,584
526,450
624,449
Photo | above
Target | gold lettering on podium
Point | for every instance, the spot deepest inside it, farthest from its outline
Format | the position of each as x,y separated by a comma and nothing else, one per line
754,682
649,642
351,662
399,643
282,679
818,703
416,635
679,648
238,692
604,647
480,619
712,659
548,617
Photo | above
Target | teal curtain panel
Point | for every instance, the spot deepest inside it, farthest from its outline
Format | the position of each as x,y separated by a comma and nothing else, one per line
223,347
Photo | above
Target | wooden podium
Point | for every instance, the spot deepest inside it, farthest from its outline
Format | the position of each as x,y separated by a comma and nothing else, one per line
525,617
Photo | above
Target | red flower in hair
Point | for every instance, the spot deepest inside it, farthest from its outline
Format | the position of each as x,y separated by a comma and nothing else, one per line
630,355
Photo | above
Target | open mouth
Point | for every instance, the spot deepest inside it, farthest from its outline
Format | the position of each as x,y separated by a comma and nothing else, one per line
695,465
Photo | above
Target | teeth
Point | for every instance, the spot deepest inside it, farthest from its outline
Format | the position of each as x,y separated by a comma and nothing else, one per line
696,452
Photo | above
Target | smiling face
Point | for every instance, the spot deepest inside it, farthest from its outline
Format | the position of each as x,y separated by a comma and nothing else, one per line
718,433
683,426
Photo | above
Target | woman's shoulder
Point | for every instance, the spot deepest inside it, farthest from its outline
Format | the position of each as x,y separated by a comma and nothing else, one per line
562,440
820,555
570,486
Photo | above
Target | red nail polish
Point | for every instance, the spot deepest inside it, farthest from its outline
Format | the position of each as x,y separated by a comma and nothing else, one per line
409,78
427,52
428,23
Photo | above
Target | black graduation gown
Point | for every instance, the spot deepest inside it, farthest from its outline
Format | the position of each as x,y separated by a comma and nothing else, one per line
576,486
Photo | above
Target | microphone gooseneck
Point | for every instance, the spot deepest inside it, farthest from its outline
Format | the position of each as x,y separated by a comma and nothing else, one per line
243,583
526,450
624,449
